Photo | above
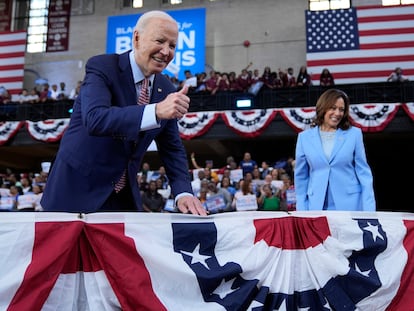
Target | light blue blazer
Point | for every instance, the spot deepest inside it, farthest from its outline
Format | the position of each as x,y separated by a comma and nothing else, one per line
346,173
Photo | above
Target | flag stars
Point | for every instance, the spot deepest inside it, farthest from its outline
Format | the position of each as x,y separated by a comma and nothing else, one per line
364,273
255,304
224,288
374,231
196,257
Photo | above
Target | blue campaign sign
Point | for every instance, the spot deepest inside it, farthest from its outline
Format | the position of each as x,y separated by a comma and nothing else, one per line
190,51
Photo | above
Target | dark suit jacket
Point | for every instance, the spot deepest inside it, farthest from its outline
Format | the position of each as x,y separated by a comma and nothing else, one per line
104,138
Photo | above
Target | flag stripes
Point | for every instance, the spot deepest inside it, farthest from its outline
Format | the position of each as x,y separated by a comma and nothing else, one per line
12,52
384,40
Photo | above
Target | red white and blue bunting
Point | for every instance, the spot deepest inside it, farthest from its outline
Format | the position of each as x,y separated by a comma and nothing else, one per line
250,123
372,117
8,130
196,124
409,109
247,123
48,130
299,119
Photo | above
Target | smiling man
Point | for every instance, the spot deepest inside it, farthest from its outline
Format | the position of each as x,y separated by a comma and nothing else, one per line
125,103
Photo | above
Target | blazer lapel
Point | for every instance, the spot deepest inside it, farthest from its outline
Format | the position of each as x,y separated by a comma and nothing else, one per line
157,91
339,142
317,143
127,78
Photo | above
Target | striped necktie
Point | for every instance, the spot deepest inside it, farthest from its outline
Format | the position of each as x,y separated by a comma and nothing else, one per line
143,99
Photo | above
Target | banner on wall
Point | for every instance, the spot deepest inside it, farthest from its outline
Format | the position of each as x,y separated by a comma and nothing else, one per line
5,15
58,26
190,51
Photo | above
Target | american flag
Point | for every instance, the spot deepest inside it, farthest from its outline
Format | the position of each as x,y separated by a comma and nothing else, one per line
360,45
236,261
12,50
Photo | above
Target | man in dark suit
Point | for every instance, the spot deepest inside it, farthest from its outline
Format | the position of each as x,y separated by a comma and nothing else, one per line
109,132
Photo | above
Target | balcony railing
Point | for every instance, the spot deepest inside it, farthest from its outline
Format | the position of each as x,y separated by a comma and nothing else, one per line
386,92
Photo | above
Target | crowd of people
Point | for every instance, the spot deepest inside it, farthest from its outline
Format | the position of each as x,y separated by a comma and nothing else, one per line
220,189
247,80
40,94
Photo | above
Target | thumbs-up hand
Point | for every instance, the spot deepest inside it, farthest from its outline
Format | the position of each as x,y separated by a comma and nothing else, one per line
174,106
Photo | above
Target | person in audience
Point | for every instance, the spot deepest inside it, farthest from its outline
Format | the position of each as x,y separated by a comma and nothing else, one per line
265,169
210,174
233,85
213,190
201,82
303,78
23,97
397,76
62,92
99,156
152,201
268,200
5,97
190,81
247,164
326,78
287,194
226,184
15,192
230,164
268,180
143,183
290,80
33,97
44,93
211,82
163,189
244,81
75,91
331,170
38,191
256,76
54,94
196,182
246,189
26,185
223,83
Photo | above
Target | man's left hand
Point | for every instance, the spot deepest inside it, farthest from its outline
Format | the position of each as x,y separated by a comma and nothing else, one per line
191,205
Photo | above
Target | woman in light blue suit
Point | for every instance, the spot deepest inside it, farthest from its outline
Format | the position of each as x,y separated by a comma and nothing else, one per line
331,171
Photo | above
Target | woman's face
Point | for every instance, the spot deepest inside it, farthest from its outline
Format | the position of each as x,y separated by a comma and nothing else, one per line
334,115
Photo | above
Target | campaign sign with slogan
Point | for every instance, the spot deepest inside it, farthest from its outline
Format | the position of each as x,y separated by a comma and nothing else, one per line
190,50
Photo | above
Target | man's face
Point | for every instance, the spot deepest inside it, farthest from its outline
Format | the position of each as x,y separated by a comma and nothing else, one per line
155,47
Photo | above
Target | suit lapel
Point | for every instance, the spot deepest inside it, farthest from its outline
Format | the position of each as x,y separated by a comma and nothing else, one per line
157,91
127,78
317,143
339,142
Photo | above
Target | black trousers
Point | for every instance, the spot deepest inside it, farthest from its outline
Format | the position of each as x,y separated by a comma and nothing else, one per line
123,201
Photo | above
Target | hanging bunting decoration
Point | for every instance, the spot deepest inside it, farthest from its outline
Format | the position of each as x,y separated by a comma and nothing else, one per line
372,117
8,130
48,130
196,124
249,123
298,118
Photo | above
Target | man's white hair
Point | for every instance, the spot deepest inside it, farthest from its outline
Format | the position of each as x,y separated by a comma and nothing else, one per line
146,17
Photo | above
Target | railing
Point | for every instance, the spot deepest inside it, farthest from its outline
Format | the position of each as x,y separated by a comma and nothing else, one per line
386,92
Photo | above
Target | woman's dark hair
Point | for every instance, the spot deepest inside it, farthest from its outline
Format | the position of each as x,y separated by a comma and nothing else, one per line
326,101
